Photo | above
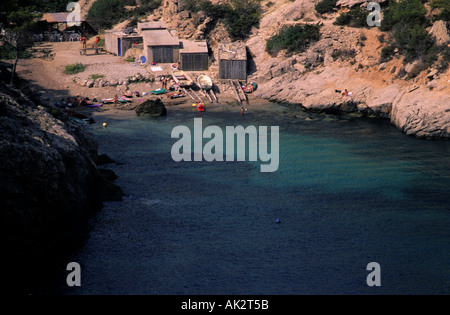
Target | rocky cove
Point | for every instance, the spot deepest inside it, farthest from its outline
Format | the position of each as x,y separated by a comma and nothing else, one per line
51,176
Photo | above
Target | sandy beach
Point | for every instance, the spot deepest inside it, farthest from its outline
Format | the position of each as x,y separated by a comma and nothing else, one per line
45,73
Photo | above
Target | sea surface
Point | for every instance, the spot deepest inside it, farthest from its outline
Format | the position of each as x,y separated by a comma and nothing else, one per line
348,191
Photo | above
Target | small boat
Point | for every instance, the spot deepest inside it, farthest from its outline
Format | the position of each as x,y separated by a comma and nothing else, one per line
182,79
158,91
108,100
78,117
204,82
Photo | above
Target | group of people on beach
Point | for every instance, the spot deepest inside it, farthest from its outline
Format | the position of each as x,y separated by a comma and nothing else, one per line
74,101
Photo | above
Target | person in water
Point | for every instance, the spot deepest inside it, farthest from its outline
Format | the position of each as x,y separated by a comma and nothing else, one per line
242,111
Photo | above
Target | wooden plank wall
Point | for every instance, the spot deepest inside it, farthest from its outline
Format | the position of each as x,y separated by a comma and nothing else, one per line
194,62
233,69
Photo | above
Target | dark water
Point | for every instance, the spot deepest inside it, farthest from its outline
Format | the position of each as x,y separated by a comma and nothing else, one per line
347,192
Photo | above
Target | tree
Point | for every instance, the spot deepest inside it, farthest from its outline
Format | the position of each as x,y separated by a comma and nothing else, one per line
241,16
105,13
17,23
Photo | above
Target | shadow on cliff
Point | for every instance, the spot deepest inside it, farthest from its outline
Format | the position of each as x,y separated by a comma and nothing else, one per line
50,186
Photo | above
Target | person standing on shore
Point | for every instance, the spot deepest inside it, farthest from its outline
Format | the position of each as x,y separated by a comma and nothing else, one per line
83,41
242,111
97,39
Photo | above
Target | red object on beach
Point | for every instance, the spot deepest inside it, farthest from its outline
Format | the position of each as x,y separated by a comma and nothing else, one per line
200,107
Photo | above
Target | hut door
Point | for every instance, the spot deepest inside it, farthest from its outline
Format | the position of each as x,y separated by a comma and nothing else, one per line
162,54
119,47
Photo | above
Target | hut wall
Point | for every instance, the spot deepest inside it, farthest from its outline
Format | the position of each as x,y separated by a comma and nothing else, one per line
163,54
127,43
111,43
194,62
233,69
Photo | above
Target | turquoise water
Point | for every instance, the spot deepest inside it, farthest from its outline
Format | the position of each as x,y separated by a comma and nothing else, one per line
348,192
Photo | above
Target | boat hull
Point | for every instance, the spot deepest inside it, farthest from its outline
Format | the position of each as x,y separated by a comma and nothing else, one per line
204,82
182,79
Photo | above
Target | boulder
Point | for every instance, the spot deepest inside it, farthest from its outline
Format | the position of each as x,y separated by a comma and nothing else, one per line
440,33
152,107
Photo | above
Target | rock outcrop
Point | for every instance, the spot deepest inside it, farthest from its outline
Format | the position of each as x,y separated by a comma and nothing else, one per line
49,187
416,102
152,107
440,33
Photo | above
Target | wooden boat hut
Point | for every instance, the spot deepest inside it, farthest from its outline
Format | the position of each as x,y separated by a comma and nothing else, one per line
194,55
232,61
159,45
119,41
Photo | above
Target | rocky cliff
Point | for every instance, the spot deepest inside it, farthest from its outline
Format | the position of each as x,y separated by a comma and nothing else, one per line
416,101
49,187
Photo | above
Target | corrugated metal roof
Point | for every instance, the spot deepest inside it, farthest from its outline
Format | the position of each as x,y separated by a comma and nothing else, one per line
159,38
59,17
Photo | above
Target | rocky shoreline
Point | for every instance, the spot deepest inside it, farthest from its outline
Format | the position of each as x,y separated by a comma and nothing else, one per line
413,109
50,184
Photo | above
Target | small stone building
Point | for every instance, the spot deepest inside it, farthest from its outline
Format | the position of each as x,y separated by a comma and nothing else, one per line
159,44
118,42
194,55
232,61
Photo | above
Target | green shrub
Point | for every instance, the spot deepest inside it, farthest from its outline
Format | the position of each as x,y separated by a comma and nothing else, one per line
239,16
103,14
293,38
356,17
407,21
325,6
96,76
419,44
74,68
413,42
410,12
444,13
387,52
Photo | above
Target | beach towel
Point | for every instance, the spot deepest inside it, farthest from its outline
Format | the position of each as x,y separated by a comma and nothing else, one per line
156,68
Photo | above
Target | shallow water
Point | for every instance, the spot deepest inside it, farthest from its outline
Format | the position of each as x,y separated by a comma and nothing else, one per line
348,191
